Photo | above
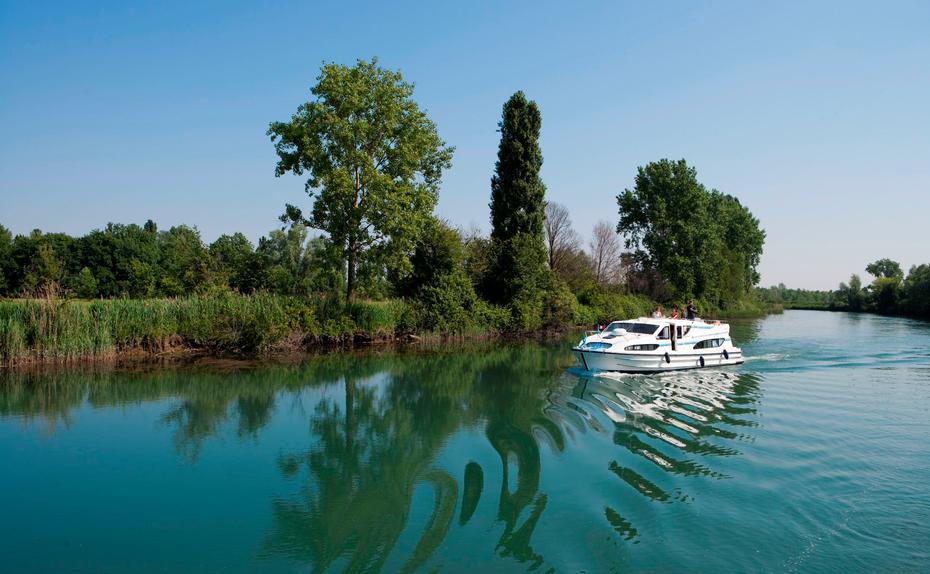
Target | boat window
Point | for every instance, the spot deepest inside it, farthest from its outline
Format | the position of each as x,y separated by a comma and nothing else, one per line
646,347
663,334
708,343
595,345
639,328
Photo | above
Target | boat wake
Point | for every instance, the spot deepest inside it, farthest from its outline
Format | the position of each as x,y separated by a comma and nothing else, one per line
766,357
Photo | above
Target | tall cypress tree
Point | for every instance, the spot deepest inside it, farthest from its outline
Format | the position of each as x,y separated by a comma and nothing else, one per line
517,213
517,190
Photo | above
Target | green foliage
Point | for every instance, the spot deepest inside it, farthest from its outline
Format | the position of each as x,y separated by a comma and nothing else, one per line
448,304
517,190
884,294
439,251
69,329
851,296
521,279
518,255
598,305
6,257
85,285
885,268
234,260
916,298
45,272
184,262
373,158
795,298
701,243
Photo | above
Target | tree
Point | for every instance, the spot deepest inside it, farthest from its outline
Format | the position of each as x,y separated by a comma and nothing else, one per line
45,272
702,243
285,256
117,255
373,158
741,241
6,258
439,251
517,190
605,254
917,291
661,218
561,239
885,290
184,261
233,257
851,296
517,211
85,285
885,268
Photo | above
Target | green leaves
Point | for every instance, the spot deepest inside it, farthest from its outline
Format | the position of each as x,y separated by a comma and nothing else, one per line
701,243
517,214
373,159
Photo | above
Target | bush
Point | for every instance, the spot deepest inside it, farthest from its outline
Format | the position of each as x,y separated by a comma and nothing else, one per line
448,305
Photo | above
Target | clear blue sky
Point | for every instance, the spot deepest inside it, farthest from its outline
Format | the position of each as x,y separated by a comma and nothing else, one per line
815,115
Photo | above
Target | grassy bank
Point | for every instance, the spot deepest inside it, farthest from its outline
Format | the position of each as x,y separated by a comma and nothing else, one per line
62,330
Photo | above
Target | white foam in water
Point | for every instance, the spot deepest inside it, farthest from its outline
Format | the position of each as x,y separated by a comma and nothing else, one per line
767,357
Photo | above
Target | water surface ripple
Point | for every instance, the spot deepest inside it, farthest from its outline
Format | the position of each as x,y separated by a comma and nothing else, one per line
813,456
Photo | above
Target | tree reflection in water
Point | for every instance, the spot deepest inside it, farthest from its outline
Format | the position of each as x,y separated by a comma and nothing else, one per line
377,440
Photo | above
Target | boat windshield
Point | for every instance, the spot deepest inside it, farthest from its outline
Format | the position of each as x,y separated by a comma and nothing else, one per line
640,328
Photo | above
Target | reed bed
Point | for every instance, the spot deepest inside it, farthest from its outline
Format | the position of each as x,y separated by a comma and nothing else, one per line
62,330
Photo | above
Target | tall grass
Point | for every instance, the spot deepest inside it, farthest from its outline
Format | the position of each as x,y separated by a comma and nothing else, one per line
68,329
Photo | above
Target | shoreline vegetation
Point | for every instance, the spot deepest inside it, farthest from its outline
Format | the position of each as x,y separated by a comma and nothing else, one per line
381,266
889,293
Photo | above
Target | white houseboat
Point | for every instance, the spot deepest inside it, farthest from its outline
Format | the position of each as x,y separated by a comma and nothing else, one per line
647,345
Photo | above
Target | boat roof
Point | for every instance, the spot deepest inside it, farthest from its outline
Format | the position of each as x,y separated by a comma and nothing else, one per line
666,321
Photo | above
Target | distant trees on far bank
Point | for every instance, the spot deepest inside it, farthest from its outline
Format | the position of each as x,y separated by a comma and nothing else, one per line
889,293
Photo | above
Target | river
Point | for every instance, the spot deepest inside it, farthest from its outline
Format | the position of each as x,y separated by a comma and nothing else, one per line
813,456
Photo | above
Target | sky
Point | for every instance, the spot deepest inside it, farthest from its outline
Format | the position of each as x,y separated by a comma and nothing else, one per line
814,114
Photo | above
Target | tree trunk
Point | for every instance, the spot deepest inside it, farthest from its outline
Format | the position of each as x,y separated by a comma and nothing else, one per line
350,275
352,255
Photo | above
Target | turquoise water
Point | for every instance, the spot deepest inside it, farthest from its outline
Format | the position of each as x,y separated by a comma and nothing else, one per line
813,456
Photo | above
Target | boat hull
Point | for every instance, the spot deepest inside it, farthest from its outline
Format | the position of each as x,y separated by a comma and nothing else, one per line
655,363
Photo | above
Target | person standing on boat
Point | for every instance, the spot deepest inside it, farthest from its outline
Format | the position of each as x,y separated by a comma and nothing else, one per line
657,314
692,310
676,313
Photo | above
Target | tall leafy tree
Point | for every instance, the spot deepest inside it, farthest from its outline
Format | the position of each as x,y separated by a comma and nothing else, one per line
374,161
700,243
517,190
517,206
661,218
184,262
234,259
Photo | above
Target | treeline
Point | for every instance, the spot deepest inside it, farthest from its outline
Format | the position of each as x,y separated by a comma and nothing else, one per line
780,295
142,262
373,163
889,293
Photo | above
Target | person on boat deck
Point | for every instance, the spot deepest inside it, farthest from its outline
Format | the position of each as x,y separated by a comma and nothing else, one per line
676,313
692,310
657,314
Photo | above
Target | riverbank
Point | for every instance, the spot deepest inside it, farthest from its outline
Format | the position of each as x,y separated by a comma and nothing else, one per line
58,331
63,331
